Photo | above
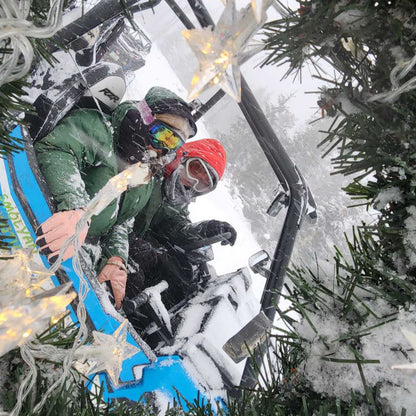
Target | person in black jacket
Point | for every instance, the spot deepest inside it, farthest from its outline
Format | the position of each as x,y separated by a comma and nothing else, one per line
163,230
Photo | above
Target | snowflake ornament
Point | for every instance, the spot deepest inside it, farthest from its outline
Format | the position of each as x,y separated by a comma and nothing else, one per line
220,50
411,337
107,353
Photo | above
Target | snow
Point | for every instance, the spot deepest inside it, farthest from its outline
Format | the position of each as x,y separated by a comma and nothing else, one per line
410,236
207,323
392,194
191,326
330,377
155,301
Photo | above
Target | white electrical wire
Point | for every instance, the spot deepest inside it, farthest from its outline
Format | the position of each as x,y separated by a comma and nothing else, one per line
396,75
28,381
15,31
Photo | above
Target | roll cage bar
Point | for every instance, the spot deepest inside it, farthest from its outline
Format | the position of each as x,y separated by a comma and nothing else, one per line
300,200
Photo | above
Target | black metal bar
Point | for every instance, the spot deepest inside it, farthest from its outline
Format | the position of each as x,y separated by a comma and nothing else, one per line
103,11
180,13
209,104
201,13
286,171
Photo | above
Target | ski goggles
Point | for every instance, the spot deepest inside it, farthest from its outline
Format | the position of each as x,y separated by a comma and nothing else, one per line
204,177
165,136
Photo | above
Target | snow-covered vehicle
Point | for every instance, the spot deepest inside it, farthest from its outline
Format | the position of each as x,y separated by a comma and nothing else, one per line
176,342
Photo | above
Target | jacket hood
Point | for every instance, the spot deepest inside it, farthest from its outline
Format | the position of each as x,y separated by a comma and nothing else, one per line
161,100
209,150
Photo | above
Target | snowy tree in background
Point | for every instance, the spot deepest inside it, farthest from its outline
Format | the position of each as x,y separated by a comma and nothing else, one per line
245,170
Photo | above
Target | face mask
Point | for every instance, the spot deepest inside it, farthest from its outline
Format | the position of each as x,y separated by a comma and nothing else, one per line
174,191
134,137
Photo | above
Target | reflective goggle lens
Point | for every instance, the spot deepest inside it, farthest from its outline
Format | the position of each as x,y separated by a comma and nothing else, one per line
165,137
198,171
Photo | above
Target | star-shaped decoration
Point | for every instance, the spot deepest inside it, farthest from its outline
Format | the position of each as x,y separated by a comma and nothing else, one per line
20,322
20,275
221,50
259,8
107,353
411,337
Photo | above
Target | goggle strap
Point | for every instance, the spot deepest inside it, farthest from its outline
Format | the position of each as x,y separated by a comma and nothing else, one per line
145,112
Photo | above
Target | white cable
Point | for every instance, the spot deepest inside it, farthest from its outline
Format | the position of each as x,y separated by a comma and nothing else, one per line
397,74
28,381
15,31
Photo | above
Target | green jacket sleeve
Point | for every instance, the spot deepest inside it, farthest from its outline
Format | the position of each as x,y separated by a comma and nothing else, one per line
116,242
66,152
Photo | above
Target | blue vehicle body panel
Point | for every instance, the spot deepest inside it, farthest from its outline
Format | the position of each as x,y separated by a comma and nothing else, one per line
20,194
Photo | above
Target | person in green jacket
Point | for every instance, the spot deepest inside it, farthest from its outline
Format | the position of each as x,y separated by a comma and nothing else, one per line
84,151
164,222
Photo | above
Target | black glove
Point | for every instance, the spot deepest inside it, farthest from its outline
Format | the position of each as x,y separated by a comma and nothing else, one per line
213,228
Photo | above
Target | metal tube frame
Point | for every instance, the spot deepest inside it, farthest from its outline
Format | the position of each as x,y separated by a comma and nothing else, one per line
103,11
288,176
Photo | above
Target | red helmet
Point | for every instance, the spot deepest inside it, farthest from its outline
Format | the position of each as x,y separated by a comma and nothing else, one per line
209,150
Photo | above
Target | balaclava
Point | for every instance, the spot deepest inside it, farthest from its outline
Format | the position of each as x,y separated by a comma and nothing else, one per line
209,150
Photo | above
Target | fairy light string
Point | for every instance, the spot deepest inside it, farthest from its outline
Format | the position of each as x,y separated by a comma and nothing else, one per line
135,175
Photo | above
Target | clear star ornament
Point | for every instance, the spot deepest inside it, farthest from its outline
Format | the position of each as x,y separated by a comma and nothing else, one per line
20,275
221,50
21,321
106,353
